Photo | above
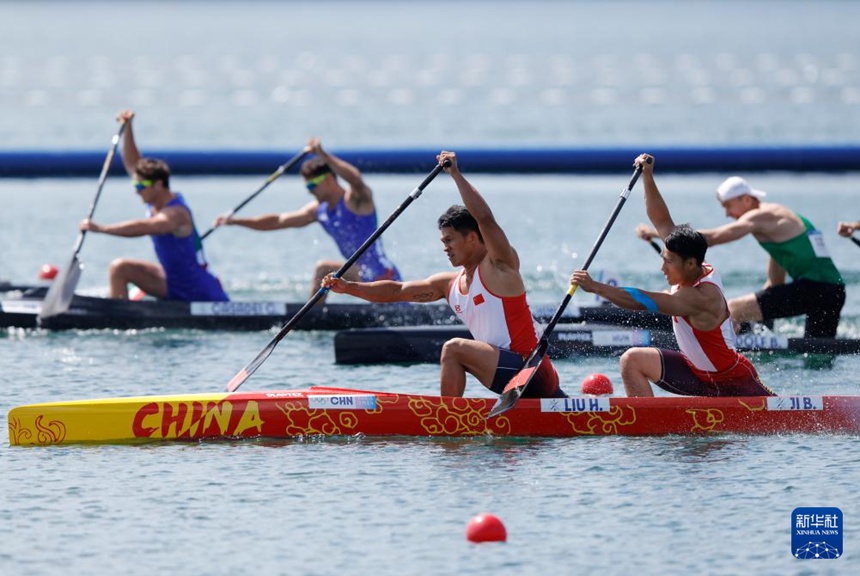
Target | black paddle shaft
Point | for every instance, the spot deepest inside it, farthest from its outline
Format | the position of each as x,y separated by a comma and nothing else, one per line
511,396
360,251
274,176
625,193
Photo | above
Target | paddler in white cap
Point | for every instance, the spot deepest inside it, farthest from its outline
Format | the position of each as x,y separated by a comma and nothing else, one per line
796,249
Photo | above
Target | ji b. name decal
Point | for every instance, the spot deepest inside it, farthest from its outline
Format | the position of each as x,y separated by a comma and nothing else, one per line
795,403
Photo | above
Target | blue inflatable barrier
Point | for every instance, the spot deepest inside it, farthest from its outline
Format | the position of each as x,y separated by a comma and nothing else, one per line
61,164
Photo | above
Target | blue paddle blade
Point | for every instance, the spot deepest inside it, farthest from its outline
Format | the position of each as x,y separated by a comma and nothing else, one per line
62,290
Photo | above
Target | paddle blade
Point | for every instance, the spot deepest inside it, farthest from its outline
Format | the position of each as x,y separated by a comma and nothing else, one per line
246,372
62,290
520,381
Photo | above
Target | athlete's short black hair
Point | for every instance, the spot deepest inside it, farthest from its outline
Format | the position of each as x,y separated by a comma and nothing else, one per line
687,242
458,218
153,169
314,167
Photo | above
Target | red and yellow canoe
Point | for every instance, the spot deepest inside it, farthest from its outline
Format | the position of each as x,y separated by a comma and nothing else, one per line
345,412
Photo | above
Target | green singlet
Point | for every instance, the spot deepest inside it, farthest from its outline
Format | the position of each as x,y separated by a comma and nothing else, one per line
805,256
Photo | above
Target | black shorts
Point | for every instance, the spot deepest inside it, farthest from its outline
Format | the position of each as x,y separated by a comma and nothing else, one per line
543,385
678,378
821,302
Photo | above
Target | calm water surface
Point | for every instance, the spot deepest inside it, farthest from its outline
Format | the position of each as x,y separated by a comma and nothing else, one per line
658,505
270,74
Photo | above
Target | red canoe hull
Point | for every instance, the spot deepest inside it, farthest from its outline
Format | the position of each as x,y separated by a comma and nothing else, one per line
345,412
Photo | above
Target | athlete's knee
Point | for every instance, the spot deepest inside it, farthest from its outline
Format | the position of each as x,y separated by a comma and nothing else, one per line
454,350
631,360
744,309
119,267
324,267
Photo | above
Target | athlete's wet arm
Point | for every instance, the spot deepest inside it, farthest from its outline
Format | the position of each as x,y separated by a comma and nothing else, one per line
158,224
345,170
728,232
646,232
379,291
624,297
427,290
692,301
655,206
630,298
681,303
498,245
129,152
263,222
268,222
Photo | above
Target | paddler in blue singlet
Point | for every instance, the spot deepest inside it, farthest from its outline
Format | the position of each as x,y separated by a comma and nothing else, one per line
182,270
348,215
796,249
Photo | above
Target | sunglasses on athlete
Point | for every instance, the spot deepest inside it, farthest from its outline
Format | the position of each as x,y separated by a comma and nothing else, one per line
314,182
141,184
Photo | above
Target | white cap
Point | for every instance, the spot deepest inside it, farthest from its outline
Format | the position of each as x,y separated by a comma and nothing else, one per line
736,186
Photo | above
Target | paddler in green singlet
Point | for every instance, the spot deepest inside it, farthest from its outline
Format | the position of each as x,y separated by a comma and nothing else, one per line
796,249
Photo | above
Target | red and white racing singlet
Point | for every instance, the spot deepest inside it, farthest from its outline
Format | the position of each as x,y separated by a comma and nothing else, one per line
711,350
505,322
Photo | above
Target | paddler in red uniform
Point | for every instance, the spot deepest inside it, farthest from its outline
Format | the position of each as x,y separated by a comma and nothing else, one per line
708,363
487,294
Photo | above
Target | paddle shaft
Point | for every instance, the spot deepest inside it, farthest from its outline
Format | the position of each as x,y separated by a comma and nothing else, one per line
102,178
855,240
274,176
62,290
510,396
570,292
246,372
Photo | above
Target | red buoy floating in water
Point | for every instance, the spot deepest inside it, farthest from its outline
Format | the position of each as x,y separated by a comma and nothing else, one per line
47,272
486,528
597,385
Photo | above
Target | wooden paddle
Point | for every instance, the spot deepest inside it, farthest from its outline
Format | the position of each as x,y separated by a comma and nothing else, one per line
515,388
62,290
246,372
274,176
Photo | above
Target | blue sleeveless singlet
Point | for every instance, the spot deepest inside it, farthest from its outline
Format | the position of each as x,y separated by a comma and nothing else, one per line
185,264
350,230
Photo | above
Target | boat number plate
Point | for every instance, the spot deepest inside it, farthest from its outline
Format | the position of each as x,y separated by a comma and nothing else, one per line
574,405
795,403
342,402
238,308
